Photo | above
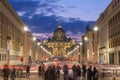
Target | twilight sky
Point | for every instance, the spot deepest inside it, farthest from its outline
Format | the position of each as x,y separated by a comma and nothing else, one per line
43,16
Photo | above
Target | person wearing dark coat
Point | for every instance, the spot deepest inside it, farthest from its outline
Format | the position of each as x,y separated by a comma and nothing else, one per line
6,72
13,75
84,70
78,72
65,70
58,68
46,77
39,71
27,71
74,69
50,74
95,74
89,73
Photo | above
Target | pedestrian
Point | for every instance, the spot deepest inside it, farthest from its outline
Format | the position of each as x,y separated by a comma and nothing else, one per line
65,70
58,68
42,69
27,71
74,69
47,73
95,74
6,72
84,70
89,73
39,70
13,71
78,72
21,73
53,72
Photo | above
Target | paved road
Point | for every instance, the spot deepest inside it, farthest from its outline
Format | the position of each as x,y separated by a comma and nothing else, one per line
35,77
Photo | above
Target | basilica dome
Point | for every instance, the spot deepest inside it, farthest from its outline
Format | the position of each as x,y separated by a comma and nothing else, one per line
59,34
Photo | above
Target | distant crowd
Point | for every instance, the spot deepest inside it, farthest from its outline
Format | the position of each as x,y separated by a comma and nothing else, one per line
53,72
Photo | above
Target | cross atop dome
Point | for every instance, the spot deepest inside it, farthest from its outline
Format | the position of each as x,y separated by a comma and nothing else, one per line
59,26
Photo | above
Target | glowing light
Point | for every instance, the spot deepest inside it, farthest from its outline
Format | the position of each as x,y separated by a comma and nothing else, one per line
85,38
80,43
26,28
34,38
38,43
95,28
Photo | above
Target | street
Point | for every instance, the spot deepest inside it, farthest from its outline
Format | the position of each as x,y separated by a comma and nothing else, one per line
34,76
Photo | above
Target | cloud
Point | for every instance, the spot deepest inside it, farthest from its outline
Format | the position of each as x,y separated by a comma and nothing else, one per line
21,13
45,36
42,36
42,18
76,36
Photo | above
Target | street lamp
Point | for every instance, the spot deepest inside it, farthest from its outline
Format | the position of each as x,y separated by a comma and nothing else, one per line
38,43
80,46
95,28
80,43
25,28
96,55
85,38
34,39
78,57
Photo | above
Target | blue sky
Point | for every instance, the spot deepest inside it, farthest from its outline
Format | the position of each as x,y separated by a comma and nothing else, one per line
43,16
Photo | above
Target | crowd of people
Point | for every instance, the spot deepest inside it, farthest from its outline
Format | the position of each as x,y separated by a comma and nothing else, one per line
78,73
53,72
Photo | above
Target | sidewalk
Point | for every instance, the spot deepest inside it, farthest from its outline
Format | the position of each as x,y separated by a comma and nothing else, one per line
110,78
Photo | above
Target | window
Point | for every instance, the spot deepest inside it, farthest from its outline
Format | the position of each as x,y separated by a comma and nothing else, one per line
111,58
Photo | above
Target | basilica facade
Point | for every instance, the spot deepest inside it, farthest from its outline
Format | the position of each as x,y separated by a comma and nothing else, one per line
59,44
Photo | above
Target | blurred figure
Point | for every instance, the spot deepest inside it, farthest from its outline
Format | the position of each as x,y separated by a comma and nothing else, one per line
46,77
42,70
21,72
27,71
78,72
89,73
39,70
58,68
13,71
84,70
6,72
74,69
65,70
95,74
50,73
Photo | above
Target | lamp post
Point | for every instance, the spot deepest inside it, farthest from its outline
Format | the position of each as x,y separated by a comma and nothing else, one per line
96,58
84,39
8,49
80,46
78,57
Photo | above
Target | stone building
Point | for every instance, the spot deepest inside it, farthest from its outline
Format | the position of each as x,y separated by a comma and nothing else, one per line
108,37
11,35
59,44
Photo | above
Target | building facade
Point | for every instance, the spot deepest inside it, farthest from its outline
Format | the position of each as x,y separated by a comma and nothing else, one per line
11,35
59,44
108,37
